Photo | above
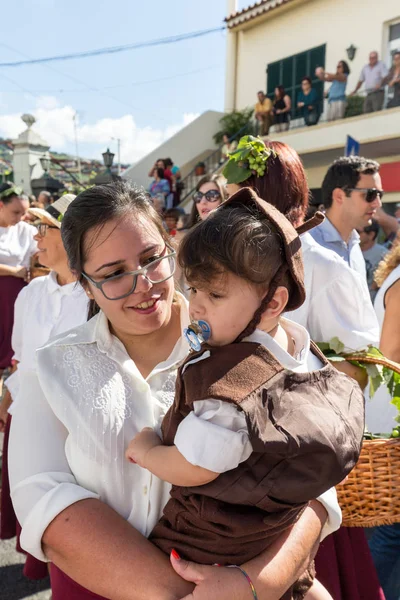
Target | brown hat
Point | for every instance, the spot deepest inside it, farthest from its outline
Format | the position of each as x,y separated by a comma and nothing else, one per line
288,234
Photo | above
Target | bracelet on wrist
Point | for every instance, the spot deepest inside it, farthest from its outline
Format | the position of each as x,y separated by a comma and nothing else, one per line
249,581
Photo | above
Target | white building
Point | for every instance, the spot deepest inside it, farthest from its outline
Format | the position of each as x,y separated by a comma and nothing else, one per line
277,42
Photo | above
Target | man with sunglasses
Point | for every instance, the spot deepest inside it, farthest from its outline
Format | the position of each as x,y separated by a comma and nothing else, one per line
352,193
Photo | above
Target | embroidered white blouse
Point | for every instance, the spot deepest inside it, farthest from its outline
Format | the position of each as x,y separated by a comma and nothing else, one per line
337,303
77,416
17,244
43,309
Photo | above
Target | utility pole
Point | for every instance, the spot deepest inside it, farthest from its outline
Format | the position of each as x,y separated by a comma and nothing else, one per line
78,160
118,140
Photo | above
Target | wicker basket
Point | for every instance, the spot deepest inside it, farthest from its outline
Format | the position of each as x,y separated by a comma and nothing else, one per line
371,494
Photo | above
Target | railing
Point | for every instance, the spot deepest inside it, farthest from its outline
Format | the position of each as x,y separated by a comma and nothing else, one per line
354,108
210,165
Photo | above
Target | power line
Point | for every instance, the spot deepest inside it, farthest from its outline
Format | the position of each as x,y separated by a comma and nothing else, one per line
113,87
114,49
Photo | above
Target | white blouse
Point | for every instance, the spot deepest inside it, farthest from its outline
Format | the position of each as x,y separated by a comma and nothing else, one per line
77,416
337,303
43,309
380,413
17,244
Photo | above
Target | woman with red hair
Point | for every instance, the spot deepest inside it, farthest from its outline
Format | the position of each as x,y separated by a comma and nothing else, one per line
343,563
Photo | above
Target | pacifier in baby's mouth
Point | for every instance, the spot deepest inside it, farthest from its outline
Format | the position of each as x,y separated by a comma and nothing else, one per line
197,333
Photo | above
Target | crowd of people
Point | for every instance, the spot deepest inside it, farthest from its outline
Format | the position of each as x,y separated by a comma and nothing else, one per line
167,182
253,428
308,104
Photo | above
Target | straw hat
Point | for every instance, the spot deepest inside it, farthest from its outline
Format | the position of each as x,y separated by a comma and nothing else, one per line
55,212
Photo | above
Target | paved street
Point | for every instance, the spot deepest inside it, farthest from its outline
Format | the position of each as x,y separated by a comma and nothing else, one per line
13,585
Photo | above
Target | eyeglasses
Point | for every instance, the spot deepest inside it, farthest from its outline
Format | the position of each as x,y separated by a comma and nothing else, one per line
123,285
210,196
371,194
43,227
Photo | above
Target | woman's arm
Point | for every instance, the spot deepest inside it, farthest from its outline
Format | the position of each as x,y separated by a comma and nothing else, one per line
390,337
288,104
58,515
14,271
114,560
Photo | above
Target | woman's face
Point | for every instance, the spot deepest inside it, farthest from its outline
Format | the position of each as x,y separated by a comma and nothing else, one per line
339,68
232,188
225,139
306,87
127,245
51,252
12,212
204,207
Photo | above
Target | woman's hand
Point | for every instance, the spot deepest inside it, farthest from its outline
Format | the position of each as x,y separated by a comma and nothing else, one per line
212,582
141,444
21,272
300,104
278,111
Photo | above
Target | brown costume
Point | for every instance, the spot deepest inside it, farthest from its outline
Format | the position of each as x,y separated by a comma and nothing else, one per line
305,429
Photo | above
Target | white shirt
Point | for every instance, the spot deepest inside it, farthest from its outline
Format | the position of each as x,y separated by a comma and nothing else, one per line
17,244
328,236
43,309
337,301
77,416
379,411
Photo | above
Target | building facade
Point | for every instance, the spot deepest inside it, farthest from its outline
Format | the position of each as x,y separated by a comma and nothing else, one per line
277,42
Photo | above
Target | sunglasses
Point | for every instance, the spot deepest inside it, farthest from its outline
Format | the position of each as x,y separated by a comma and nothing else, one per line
43,227
210,196
371,194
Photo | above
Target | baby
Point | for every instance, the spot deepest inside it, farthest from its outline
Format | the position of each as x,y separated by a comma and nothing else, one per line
261,423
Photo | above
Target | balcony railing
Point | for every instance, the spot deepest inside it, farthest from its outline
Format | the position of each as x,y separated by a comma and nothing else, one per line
355,106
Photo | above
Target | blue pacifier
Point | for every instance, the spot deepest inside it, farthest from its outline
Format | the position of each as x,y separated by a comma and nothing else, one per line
197,333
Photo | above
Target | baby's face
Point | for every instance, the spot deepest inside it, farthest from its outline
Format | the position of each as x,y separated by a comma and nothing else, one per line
227,305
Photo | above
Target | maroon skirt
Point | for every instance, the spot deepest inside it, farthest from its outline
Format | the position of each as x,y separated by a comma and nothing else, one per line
9,526
10,287
65,588
344,566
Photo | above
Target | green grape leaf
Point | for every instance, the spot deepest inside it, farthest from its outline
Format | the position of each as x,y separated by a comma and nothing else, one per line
336,345
234,174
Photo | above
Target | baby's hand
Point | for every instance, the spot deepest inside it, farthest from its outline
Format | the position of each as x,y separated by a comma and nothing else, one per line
141,444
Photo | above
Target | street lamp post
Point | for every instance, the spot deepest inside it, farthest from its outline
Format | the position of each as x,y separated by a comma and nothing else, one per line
118,140
108,158
45,164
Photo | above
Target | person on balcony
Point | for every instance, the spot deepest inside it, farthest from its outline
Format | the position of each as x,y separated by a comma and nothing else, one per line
308,103
229,146
351,192
263,113
337,92
159,185
393,81
373,75
281,109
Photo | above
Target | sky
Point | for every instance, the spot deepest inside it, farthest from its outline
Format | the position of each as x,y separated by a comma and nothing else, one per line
141,96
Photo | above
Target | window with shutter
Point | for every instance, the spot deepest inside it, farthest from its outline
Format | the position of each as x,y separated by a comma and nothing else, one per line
290,71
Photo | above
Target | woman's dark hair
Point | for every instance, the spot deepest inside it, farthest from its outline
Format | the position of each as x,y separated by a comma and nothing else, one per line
281,92
92,210
306,78
160,173
345,173
4,187
219,181
284,183
345,66
168,162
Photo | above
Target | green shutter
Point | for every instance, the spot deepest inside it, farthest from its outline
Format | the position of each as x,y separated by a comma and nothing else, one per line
290,71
